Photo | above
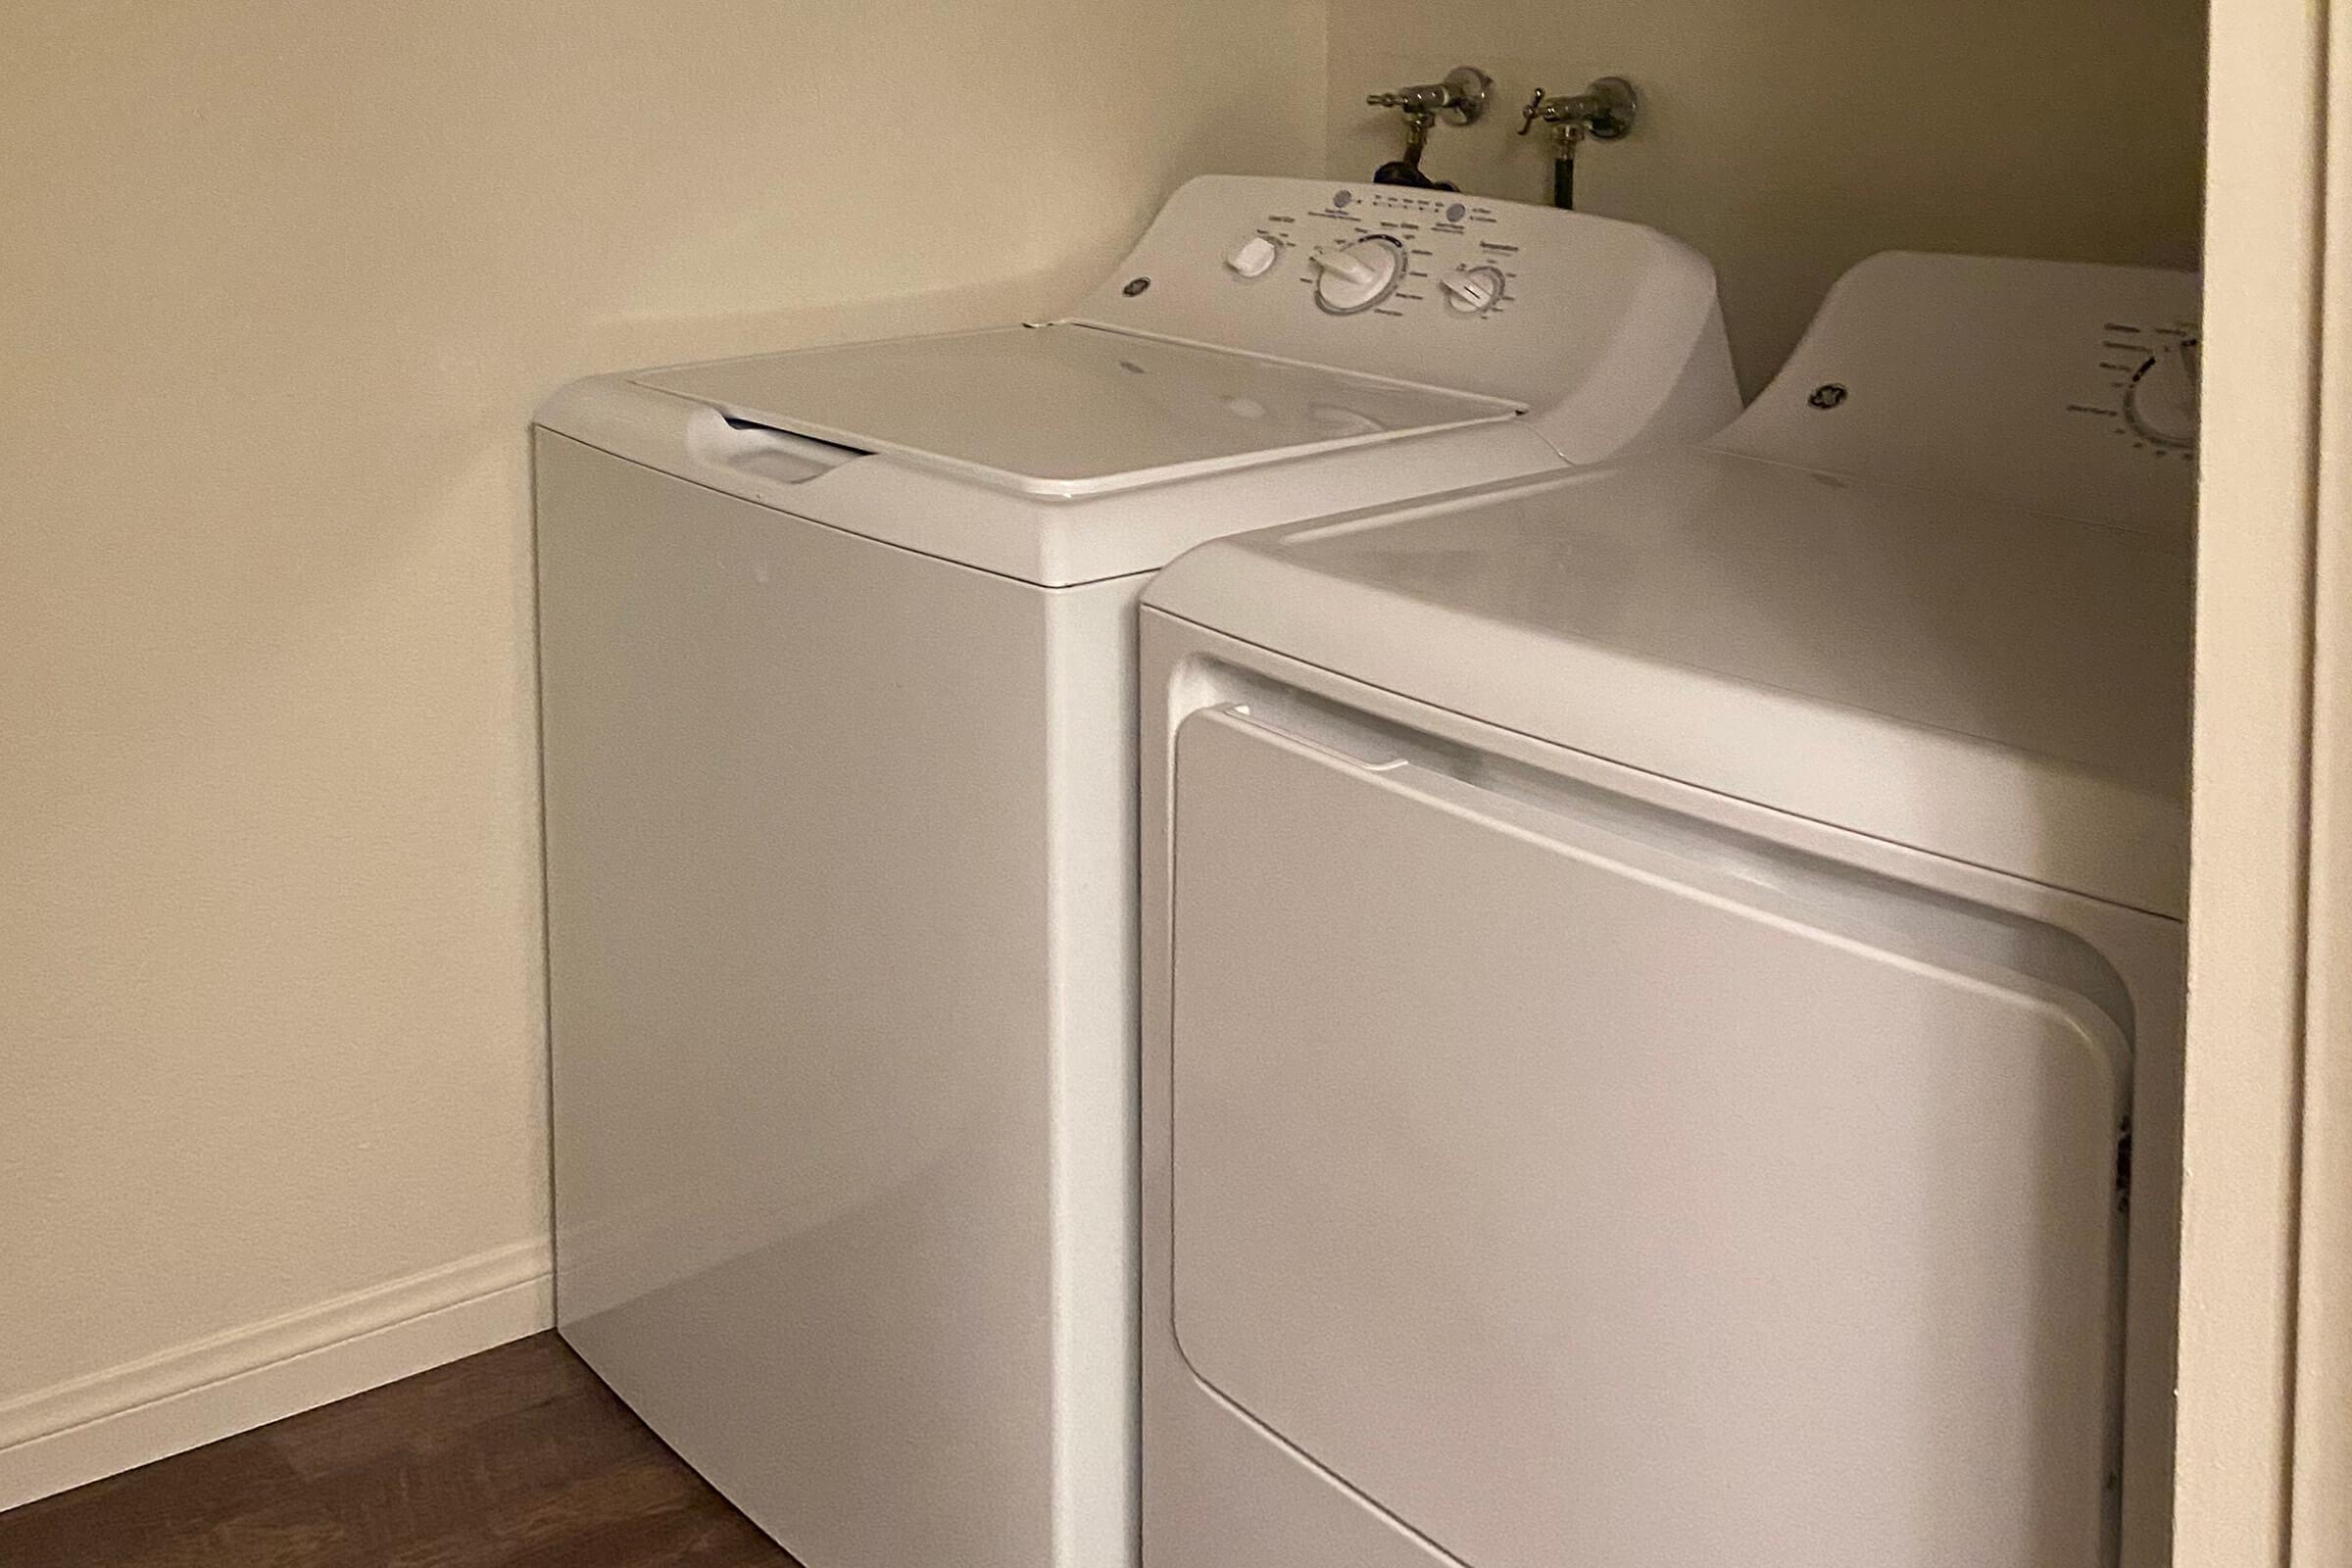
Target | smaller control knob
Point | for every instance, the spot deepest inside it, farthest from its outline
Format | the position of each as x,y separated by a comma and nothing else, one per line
2161,402
1357,276
1472,290
1253,256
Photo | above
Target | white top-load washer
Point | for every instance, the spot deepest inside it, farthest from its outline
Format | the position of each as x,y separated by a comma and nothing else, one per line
837,677
1653,978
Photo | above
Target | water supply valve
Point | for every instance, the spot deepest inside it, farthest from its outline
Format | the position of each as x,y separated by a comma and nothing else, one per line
1604,110
1459,100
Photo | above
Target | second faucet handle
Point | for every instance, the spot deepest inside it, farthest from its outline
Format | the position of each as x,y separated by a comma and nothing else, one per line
1533,112
1607,109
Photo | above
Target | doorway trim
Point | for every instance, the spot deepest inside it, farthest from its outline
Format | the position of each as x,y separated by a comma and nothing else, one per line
2265,1353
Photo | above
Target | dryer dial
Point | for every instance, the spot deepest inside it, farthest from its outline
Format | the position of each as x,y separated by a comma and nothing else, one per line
2161,402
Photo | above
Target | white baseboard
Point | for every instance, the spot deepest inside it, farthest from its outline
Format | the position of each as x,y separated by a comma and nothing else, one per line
195,1393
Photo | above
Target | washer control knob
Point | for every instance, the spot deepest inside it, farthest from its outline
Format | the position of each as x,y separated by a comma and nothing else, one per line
1472,290
2161,402
1253,256
1357,276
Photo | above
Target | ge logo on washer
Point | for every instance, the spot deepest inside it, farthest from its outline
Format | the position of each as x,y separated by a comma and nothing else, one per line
1828,395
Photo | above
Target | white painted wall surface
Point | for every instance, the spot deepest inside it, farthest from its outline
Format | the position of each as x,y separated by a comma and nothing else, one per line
1789,139
282,284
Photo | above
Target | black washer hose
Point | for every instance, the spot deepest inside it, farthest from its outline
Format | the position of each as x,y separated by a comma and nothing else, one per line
1563,182
1403,171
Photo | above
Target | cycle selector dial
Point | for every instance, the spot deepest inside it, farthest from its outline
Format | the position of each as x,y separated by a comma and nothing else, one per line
2161,402
1253,256
1358,275
1472,290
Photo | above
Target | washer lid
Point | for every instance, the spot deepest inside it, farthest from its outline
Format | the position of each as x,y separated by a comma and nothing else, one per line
1068,409
1983,682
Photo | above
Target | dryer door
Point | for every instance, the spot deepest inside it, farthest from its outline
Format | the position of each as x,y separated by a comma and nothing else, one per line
1585,1187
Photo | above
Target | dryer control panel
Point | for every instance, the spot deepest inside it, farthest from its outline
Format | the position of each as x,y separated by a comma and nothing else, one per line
2066,387
1536,306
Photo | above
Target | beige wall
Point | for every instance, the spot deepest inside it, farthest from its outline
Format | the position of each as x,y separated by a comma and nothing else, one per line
279,285
1790,138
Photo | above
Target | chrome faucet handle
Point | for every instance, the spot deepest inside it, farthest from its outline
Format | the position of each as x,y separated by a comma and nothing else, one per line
1605,110
1534,111
1461,99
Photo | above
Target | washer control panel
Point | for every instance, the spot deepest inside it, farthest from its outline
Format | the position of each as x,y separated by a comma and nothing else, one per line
1388,248
1370,247
2065,387
1479,295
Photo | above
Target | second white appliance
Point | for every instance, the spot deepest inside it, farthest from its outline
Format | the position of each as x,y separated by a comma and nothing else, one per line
836,666
1663,986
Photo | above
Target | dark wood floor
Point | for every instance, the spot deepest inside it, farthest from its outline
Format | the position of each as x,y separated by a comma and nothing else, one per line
517,1458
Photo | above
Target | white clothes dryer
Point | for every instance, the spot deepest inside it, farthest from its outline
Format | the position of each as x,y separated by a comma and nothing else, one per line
1654,978
837,682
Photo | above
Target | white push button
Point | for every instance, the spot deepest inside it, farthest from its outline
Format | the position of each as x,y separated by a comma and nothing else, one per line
1253,256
